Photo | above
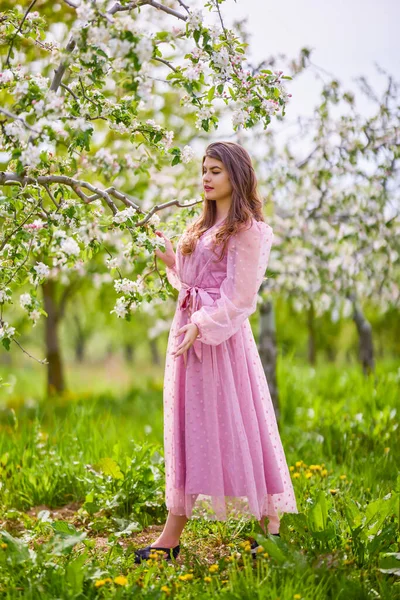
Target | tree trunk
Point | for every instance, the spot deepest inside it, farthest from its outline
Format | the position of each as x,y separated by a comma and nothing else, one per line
268,351
154,352
129,353
364,329
55,372
311,333
80,341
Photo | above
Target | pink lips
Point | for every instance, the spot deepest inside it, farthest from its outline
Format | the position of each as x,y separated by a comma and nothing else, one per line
208,188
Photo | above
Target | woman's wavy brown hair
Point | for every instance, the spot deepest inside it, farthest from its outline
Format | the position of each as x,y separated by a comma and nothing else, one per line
246,202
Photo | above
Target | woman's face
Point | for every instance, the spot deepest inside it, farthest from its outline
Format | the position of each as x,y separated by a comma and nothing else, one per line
216,182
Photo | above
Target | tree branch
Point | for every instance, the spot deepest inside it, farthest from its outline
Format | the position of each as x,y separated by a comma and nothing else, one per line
76,184
18,30
17,118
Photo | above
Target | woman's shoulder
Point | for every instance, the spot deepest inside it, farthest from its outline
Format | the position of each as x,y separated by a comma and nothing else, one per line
253,227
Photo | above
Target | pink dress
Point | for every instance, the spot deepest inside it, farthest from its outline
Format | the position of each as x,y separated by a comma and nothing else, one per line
223,453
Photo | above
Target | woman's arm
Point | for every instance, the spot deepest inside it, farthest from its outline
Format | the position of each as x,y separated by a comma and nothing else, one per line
248,254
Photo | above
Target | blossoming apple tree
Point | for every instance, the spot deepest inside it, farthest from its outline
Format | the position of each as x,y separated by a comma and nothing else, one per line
336,210
85,88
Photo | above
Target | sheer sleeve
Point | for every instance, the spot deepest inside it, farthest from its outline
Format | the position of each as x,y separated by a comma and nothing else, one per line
248,254
172,276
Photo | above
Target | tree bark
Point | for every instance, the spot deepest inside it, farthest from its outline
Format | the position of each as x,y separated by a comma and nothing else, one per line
268,350
80,340
55,371
129,352
154,352
364,329
311,333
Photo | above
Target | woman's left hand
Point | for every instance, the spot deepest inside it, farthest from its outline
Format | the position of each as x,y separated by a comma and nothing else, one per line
192,331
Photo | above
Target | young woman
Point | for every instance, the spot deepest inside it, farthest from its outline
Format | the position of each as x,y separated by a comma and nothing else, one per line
223,452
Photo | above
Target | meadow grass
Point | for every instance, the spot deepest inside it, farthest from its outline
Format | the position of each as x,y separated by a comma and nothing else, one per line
82,486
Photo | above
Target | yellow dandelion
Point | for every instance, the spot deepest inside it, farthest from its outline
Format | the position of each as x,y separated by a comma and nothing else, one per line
308,474
299,463
224,580
333,492
108,580
343,477
99,582
386,450
291,468
297,596
259,549
207,579
296,475
324,472
265,555
4,545
121,580
186,577
213,568
165,589
315,467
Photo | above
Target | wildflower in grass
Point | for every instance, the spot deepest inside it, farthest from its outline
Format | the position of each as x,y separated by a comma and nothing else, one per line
315,467
291,468
386,450
297,596
296,475
207,579
299,463
100,582
166,589
186,577
333,492
121,580
224,580
308,474
213,568
265,555
343,477
324,472
4,546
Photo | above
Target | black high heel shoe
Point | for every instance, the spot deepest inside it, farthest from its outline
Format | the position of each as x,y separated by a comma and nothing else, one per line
144,553
256,545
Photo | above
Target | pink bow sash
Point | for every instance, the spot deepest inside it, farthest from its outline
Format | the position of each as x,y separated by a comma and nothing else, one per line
194,298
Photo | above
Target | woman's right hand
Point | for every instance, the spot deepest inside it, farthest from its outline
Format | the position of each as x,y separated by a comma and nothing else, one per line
168,257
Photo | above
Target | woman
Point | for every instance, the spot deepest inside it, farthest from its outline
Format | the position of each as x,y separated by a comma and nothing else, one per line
223,453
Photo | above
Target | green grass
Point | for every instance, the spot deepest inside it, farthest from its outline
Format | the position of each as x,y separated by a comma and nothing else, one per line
82,485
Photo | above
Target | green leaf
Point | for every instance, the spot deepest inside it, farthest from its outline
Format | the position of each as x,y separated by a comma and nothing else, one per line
110,467
211,93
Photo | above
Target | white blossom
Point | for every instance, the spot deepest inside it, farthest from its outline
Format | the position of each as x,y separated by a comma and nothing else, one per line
70,247
194,20
34,315
25,300
120,308
6,76
144,49
42,270
127,286
5,295
123,215
6,331
154,220
187,154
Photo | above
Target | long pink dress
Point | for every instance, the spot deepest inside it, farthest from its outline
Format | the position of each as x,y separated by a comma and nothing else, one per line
223,453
